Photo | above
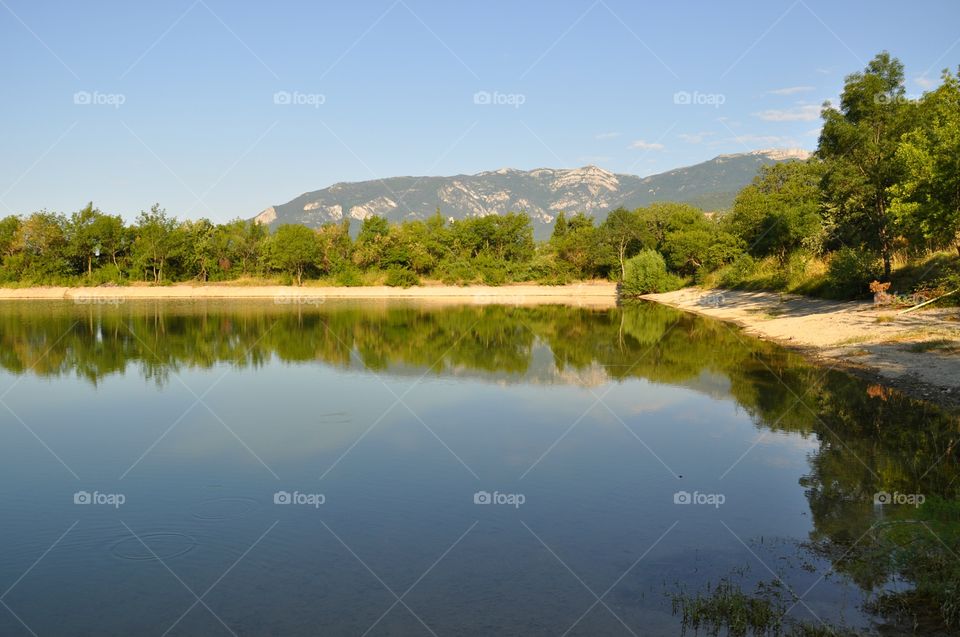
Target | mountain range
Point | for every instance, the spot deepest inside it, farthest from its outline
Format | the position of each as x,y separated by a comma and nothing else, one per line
542,192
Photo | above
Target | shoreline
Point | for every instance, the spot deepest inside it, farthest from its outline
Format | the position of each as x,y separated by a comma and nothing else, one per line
917,353
599,294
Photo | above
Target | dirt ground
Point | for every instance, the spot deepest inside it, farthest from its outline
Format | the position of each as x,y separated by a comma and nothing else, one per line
600,294
918,353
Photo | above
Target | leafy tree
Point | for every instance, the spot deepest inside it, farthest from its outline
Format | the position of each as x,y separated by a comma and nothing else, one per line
780,211
203,248
647,273
659,219
578,245
245,240
623,233
930,192
92,234
559,226
40,243
157,240
858,145
112,237
8,233
294,249
336,248
507,237
372,242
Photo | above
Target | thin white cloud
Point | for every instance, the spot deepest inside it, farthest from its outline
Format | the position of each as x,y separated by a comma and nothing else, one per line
642,145
805,113
695,138
925,82
791,90
610,135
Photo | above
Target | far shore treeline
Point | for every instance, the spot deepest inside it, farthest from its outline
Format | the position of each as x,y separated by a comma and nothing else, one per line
879,200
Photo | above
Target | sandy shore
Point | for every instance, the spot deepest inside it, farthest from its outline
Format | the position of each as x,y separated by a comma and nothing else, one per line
918,353
592,294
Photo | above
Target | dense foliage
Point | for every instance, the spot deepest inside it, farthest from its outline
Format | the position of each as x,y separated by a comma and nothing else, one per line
883,190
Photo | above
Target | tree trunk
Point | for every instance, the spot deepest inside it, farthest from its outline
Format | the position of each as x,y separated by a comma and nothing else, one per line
89,265
623,266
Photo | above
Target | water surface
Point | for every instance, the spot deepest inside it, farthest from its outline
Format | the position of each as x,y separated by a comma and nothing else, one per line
191,424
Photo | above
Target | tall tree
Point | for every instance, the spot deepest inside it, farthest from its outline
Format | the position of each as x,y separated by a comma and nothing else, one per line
92,234
780,211
41,244
294,249
622,231
858,145
157,240
930,194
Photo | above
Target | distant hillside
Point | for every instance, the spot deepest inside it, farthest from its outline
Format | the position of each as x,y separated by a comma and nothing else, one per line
542,192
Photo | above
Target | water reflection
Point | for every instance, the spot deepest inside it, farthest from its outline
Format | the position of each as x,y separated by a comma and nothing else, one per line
503,383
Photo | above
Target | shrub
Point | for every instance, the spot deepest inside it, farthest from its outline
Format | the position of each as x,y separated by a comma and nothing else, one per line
456,272
850,272
401,278
646,273
738,272
349,277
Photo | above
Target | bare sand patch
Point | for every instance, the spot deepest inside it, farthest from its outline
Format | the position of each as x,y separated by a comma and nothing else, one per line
917,352
600,294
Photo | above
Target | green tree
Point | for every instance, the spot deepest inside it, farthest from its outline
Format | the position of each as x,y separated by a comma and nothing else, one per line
8,233
622,232
156,240
930,192
336,247
92,234
372,242
780,211
294,249
559,226
577,245
647,273
858,145
40,243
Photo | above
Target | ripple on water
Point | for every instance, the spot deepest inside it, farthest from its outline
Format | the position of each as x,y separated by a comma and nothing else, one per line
225,508
162,544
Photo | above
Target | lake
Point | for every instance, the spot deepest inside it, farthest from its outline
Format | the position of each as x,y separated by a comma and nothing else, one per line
387,468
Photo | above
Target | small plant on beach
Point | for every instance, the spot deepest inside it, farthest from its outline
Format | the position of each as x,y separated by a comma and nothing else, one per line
647,273
401,278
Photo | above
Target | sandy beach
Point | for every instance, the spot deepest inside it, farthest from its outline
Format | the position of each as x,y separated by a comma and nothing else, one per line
918,353
587,294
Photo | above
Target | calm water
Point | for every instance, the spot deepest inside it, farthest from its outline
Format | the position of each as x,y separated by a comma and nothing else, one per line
190,425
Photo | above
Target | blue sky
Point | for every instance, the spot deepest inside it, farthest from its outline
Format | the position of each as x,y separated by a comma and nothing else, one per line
219,109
